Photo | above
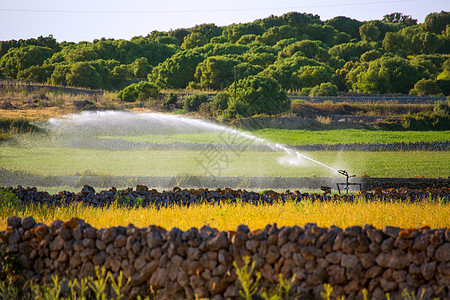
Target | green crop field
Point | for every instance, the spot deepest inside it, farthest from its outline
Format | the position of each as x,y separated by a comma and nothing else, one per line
309,137
68,161
299,137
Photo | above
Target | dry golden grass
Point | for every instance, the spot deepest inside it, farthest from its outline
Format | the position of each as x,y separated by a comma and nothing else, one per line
34,114
229,216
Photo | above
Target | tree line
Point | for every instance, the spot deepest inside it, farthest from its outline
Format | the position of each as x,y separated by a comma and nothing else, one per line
295,51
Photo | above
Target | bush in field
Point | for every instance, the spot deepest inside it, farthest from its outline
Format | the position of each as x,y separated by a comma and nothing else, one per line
425,87
324,89
170,101
193,102
257,95
143,90
220,101
442,108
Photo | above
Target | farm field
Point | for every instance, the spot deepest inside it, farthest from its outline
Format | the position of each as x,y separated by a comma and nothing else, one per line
300,137
309,137
69,161
229,216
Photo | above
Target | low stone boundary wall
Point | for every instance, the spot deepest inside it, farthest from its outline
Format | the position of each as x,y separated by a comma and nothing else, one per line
199,262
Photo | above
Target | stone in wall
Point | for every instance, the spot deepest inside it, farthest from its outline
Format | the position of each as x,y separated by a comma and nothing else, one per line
199,262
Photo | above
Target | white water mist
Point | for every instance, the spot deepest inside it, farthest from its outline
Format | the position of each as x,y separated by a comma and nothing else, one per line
87,126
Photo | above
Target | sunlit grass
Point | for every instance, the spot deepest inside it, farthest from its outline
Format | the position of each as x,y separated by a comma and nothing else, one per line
298,137
66,161
310,137
229,216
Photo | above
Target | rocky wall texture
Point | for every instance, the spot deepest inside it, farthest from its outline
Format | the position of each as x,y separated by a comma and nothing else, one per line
143,196
199,262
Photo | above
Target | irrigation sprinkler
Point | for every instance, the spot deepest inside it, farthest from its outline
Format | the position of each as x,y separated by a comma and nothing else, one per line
346,184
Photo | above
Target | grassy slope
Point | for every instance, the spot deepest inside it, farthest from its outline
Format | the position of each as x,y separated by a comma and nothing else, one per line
65,161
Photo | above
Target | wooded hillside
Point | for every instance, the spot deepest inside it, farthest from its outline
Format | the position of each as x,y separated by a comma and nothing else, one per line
299,51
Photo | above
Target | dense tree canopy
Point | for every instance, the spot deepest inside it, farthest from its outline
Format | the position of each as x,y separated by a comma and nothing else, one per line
297,50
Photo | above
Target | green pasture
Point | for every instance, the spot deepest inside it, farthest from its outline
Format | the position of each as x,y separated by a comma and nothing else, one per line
69,161
297,137
310,137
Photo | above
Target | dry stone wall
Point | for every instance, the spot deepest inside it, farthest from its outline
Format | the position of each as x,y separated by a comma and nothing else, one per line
199,262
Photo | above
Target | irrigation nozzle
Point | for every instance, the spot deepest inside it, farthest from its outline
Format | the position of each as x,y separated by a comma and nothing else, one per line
346,184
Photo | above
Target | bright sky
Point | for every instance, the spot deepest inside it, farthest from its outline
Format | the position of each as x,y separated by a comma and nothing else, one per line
86,20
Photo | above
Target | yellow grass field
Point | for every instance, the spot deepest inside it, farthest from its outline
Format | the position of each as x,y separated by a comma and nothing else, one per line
229,216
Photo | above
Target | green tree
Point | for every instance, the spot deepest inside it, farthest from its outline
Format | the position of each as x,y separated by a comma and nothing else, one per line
436,22
394,42
400,18
429,65
278,33
59,74
216,72
208,30
246,69
192,40
129,93
347,25
83,74
445,74
220,101
6,45
310,76
426,42
369,32
37,73
308,48
121,74
81,52
229,49
234,32
350,51
258,95
143,90
19,59
384,75
179,34
177,71
141,68
248,39
286,70
425,87
325,33
299,20
259,59
147,90
324,89
370,55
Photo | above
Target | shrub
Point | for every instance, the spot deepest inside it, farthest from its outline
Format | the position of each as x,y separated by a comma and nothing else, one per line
442,108
129,94
220,101
143,90
258,95
426,121
425,87
147,90
324,89
305,91
205,109
170,101
193,102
